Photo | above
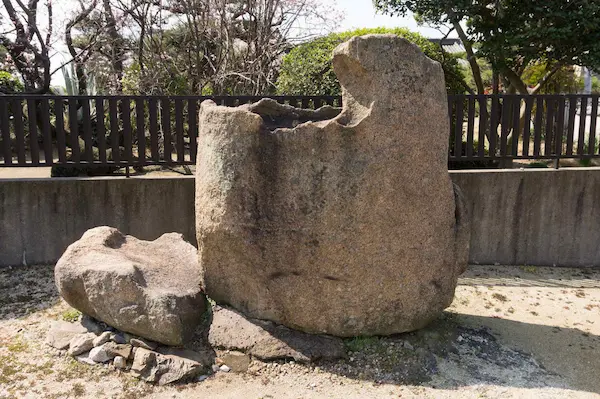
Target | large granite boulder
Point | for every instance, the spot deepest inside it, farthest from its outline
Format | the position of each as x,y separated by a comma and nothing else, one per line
148,288
345,226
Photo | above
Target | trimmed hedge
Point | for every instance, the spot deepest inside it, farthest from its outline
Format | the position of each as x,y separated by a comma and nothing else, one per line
307,68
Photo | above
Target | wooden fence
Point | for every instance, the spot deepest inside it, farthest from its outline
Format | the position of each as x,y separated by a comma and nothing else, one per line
124,131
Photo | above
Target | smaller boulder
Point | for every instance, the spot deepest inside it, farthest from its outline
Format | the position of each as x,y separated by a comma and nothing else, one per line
269,341
81,343
147,288
120,363
123,350
62,332
102,338
162,369
99,354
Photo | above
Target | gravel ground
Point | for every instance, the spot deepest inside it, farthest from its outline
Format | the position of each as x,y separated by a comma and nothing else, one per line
512,332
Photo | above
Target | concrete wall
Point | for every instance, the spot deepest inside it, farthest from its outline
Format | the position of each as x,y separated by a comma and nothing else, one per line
534,216
41,217
540,217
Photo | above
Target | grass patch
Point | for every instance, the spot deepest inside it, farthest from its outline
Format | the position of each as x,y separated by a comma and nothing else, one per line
18,345
71,315
8,369
499,297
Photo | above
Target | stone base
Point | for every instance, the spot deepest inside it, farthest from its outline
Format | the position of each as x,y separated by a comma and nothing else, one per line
266,340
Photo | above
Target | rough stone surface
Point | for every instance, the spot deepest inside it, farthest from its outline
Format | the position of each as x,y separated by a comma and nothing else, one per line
119,362
162,369
62,332
99,354
148,288
238,362
141,343
81,343
102,338
347,226
203,357
266,340
123,350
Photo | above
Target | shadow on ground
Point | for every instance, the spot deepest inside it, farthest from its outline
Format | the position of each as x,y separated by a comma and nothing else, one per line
26,289
463,350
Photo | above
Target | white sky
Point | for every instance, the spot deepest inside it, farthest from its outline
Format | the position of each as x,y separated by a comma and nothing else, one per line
361,14
356,14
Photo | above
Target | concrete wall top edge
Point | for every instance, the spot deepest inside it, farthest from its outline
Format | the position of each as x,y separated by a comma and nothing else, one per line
526,170
96,178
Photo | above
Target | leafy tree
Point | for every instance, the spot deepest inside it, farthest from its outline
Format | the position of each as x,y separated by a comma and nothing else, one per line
513,34
307,68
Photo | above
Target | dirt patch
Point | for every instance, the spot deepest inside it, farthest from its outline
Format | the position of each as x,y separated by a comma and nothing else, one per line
511,332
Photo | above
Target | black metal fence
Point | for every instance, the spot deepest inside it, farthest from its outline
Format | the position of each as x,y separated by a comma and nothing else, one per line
158,130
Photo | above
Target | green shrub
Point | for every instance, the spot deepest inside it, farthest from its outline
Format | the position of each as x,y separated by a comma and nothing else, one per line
307,69
9,84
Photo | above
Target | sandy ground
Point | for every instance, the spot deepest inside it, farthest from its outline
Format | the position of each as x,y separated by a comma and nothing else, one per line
512,332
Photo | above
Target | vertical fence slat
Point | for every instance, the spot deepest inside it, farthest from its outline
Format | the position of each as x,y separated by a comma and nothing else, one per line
505,124
483,113
139,127
549,125
537,127
593,118
560,126
33,136
5,127
470,126
114,129
46,133
61,141
126,120
193,128
571,126
458,128
494,125
527,125
582,120
87,131
100,129
318,101
153,118
74,129
179,129
294,102
19,123
166,126
516,127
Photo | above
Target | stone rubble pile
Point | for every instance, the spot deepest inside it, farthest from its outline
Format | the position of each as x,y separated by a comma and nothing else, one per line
143,358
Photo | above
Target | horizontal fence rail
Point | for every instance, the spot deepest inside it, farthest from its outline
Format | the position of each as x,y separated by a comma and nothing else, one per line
119,131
